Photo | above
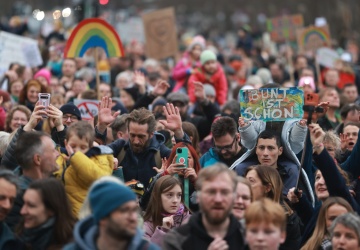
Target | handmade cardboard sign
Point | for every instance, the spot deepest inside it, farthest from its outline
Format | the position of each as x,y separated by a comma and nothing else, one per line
160,33
275,104
312,38
283,28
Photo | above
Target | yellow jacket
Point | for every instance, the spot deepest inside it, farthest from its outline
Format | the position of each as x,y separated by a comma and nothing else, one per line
83,170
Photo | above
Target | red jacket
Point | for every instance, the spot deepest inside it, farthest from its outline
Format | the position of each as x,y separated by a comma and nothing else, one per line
217,80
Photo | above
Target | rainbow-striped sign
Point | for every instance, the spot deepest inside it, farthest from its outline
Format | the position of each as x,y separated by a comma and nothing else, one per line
312,38
91,33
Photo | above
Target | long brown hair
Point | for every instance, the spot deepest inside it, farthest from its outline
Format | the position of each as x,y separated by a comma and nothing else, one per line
321,230
192,132
270,178
53,195
32,82
192,151
155,208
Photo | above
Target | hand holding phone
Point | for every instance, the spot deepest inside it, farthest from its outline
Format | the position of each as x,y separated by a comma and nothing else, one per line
182,157
44,100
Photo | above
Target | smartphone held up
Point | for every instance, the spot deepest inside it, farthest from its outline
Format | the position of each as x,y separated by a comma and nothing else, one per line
182,157
44,100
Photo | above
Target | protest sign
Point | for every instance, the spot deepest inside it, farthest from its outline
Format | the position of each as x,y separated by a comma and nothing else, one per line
283,29
160,33
14,48
327,57
88,108
275,104
312,38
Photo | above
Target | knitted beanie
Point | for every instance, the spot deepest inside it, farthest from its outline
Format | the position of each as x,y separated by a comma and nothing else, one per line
70,108
107,196
133,92
44,73
206,56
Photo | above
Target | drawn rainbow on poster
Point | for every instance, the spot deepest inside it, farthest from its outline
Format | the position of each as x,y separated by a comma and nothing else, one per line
321,32
90,33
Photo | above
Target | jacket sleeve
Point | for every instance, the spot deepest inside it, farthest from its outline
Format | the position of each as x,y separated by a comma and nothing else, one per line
304,209
222,89
172,241
59,136
180,71
87,170
334,181
297,137
191,88
250,132
155,236
352,163
9,158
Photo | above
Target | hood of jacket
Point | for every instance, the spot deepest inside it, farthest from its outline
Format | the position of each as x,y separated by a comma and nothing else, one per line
86,232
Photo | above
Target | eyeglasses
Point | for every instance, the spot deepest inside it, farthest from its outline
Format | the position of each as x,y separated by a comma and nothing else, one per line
72,118
218,149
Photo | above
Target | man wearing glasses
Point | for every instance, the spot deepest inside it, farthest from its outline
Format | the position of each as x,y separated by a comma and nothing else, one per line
71,114
227,148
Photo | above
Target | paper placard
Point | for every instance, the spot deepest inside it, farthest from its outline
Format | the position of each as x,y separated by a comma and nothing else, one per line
88,108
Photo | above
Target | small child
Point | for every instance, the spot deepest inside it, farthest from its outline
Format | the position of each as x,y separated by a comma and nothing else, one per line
265,225
210,72
84,163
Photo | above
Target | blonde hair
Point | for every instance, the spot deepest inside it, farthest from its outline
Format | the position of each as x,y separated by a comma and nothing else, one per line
321,230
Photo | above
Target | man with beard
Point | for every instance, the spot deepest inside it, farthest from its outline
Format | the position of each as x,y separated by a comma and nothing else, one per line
227,148
113,223
8,189
214,227
145,148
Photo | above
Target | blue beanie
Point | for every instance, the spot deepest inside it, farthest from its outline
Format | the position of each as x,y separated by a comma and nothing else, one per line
107,196
206,56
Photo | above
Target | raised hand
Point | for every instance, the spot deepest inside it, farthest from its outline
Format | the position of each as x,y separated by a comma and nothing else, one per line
173,120
105,116
160,88
292,197
55,116
343,139
163,166
36,116
218,244
242,122
317,137
139,80
199,91
168,222
190,174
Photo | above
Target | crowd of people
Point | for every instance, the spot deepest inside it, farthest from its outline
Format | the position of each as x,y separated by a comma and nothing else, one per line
116,181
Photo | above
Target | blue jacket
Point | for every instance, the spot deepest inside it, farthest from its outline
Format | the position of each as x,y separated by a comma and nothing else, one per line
86,231
351,165
139,166
209,158
336,187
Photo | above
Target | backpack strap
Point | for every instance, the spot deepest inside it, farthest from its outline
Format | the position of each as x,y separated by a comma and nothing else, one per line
158,160
121,155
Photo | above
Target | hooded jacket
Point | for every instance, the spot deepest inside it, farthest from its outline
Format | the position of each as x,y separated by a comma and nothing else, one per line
193,235
83,170
292,138
86,232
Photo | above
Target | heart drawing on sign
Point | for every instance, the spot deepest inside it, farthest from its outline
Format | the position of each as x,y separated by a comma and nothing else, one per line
161,29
